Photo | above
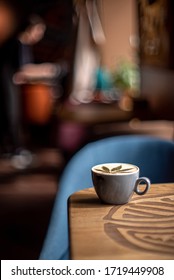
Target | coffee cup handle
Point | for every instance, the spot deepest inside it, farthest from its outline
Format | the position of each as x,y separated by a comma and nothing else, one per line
137,183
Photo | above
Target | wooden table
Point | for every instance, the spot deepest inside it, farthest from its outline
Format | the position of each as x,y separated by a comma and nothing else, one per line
141,229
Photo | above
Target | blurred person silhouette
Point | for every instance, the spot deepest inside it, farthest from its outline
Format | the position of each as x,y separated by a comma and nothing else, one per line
40,82
15,29
24,28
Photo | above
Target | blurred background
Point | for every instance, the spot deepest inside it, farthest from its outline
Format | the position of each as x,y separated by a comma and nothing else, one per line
72,72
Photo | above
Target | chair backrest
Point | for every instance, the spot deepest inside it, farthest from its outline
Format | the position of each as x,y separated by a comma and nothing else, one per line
154,156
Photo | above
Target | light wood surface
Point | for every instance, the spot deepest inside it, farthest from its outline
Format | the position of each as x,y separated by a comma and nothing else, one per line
141,229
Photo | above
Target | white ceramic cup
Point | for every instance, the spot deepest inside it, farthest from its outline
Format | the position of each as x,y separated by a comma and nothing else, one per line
115,183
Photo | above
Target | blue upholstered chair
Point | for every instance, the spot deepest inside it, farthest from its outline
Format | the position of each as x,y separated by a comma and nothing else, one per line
154,156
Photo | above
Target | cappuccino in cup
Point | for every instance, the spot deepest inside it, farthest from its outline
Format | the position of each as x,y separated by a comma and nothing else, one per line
115,183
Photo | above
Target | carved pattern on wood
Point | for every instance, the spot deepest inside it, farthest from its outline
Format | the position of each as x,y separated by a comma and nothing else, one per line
143,224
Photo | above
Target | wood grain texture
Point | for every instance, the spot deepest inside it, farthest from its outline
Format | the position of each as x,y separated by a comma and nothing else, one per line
140,229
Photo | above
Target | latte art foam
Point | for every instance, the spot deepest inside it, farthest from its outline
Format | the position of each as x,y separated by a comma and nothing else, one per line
115,168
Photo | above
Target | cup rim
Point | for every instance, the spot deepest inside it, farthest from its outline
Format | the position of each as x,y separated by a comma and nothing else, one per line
113,164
